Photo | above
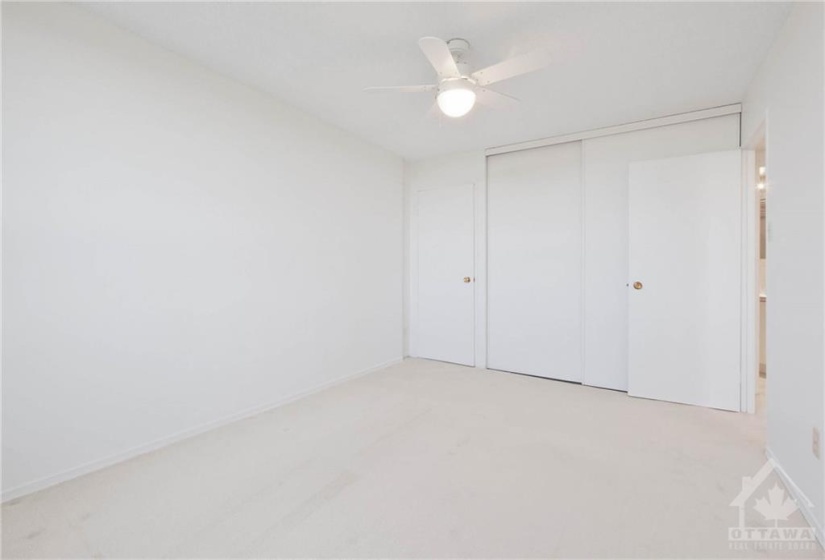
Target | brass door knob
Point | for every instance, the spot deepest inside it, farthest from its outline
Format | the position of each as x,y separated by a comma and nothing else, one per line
466,279
638,285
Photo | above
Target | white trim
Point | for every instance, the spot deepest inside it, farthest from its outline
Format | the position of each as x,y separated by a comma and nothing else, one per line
750,299
619,129
805,505
96,465
475,275
479,275
483,323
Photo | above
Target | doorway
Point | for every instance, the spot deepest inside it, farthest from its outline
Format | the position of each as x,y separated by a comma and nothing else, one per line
761,174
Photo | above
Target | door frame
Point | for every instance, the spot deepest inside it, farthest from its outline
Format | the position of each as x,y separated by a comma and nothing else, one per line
412,349
750,284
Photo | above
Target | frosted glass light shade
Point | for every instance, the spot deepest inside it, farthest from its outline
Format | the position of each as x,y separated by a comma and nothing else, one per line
456,102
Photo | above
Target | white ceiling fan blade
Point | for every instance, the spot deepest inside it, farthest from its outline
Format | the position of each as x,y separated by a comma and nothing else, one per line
491,98
402,89
512,67
439,55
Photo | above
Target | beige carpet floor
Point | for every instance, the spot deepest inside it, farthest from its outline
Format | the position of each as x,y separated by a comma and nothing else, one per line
422,459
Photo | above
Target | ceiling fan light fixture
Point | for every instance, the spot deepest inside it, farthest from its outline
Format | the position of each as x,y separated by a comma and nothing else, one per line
456,99
457,83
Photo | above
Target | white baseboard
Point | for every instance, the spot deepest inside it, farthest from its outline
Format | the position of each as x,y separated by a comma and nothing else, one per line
86,468
805,505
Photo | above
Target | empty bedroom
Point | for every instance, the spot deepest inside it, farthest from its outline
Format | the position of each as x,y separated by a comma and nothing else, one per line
413,280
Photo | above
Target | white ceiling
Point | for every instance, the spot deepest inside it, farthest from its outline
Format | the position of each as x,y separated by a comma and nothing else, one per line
614,62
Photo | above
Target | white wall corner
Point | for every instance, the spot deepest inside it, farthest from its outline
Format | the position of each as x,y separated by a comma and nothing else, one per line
405,283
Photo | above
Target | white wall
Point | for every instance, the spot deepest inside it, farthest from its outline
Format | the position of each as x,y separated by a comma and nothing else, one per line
179,248
787,95
442,172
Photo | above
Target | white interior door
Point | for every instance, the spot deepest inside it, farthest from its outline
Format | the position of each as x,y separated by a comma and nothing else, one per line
445,314
686,251
534,252
604,168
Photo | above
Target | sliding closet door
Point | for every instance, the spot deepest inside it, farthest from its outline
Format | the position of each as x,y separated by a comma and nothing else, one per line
686,279
534,268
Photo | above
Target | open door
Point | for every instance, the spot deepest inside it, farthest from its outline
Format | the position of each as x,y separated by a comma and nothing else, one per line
685,284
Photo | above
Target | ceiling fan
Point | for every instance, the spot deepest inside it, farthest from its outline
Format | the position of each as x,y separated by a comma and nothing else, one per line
458,86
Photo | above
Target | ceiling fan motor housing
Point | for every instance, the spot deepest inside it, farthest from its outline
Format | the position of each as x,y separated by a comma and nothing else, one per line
460,49
455,83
